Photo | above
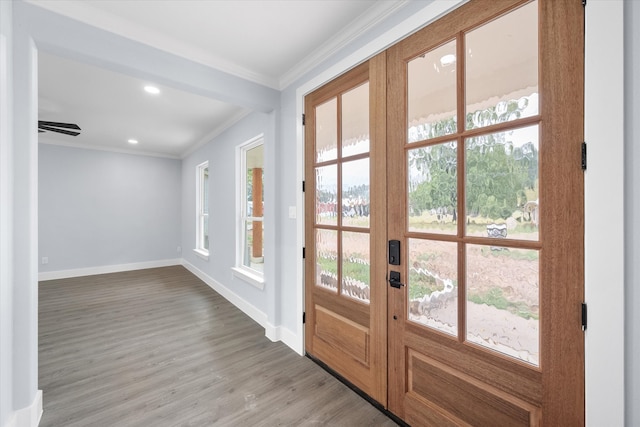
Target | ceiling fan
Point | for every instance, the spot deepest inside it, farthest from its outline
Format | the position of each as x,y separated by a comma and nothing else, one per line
58,127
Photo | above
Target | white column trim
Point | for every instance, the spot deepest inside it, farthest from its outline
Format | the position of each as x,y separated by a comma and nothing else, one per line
29,416
604,213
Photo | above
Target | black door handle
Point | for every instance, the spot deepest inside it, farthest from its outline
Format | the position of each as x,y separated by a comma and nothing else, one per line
394,280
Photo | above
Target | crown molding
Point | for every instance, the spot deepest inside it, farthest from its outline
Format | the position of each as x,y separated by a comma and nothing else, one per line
109,149
369,19
217,131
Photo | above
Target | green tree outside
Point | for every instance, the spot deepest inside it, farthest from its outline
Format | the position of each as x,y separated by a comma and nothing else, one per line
500,178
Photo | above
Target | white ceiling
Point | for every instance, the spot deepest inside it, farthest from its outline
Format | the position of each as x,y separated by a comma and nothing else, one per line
271,42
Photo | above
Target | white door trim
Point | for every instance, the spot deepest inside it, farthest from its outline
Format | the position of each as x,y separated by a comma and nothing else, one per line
604,213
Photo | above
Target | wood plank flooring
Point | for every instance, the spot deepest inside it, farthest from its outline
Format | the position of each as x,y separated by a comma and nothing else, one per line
158,347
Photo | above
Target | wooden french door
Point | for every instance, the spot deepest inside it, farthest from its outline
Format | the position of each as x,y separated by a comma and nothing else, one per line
483,198
485,132
345,231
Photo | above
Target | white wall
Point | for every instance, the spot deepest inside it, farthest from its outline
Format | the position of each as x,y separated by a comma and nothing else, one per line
100,208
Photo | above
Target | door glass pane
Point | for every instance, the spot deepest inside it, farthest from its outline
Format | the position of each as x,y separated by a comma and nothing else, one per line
502,184
433,188
327,195
327,131
355,193
327,259
356,265
355,121
501,69
431,94
433,284
503,300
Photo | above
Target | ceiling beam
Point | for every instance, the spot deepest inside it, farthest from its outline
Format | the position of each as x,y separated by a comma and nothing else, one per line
75,40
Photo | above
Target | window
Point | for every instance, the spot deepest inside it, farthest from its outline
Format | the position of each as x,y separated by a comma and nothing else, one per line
250,233
202,210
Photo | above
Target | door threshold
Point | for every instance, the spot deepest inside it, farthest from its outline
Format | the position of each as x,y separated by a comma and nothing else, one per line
359,392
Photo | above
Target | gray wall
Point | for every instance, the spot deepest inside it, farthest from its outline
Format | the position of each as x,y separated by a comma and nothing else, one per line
6,225
101,208
18,219
25,218
632,210
221,155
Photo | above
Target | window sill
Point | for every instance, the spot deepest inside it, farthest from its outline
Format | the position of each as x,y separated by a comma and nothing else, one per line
254,279
202,254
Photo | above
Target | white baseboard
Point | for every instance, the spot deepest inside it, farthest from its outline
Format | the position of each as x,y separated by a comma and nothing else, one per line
274,333
247,308
279,333
90,271
29,416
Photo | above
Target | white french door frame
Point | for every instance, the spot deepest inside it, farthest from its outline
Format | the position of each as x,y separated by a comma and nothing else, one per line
604,203
604,213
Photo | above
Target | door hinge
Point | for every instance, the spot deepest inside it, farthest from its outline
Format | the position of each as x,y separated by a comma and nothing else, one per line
303,187
304,253
584,156
584,2
584,316
304,120
304,317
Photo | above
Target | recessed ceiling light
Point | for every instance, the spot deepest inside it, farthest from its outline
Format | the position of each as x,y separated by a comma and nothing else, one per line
132,141
152,89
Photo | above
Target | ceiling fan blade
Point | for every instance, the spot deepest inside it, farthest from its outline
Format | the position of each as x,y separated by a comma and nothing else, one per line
52,129
59,125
